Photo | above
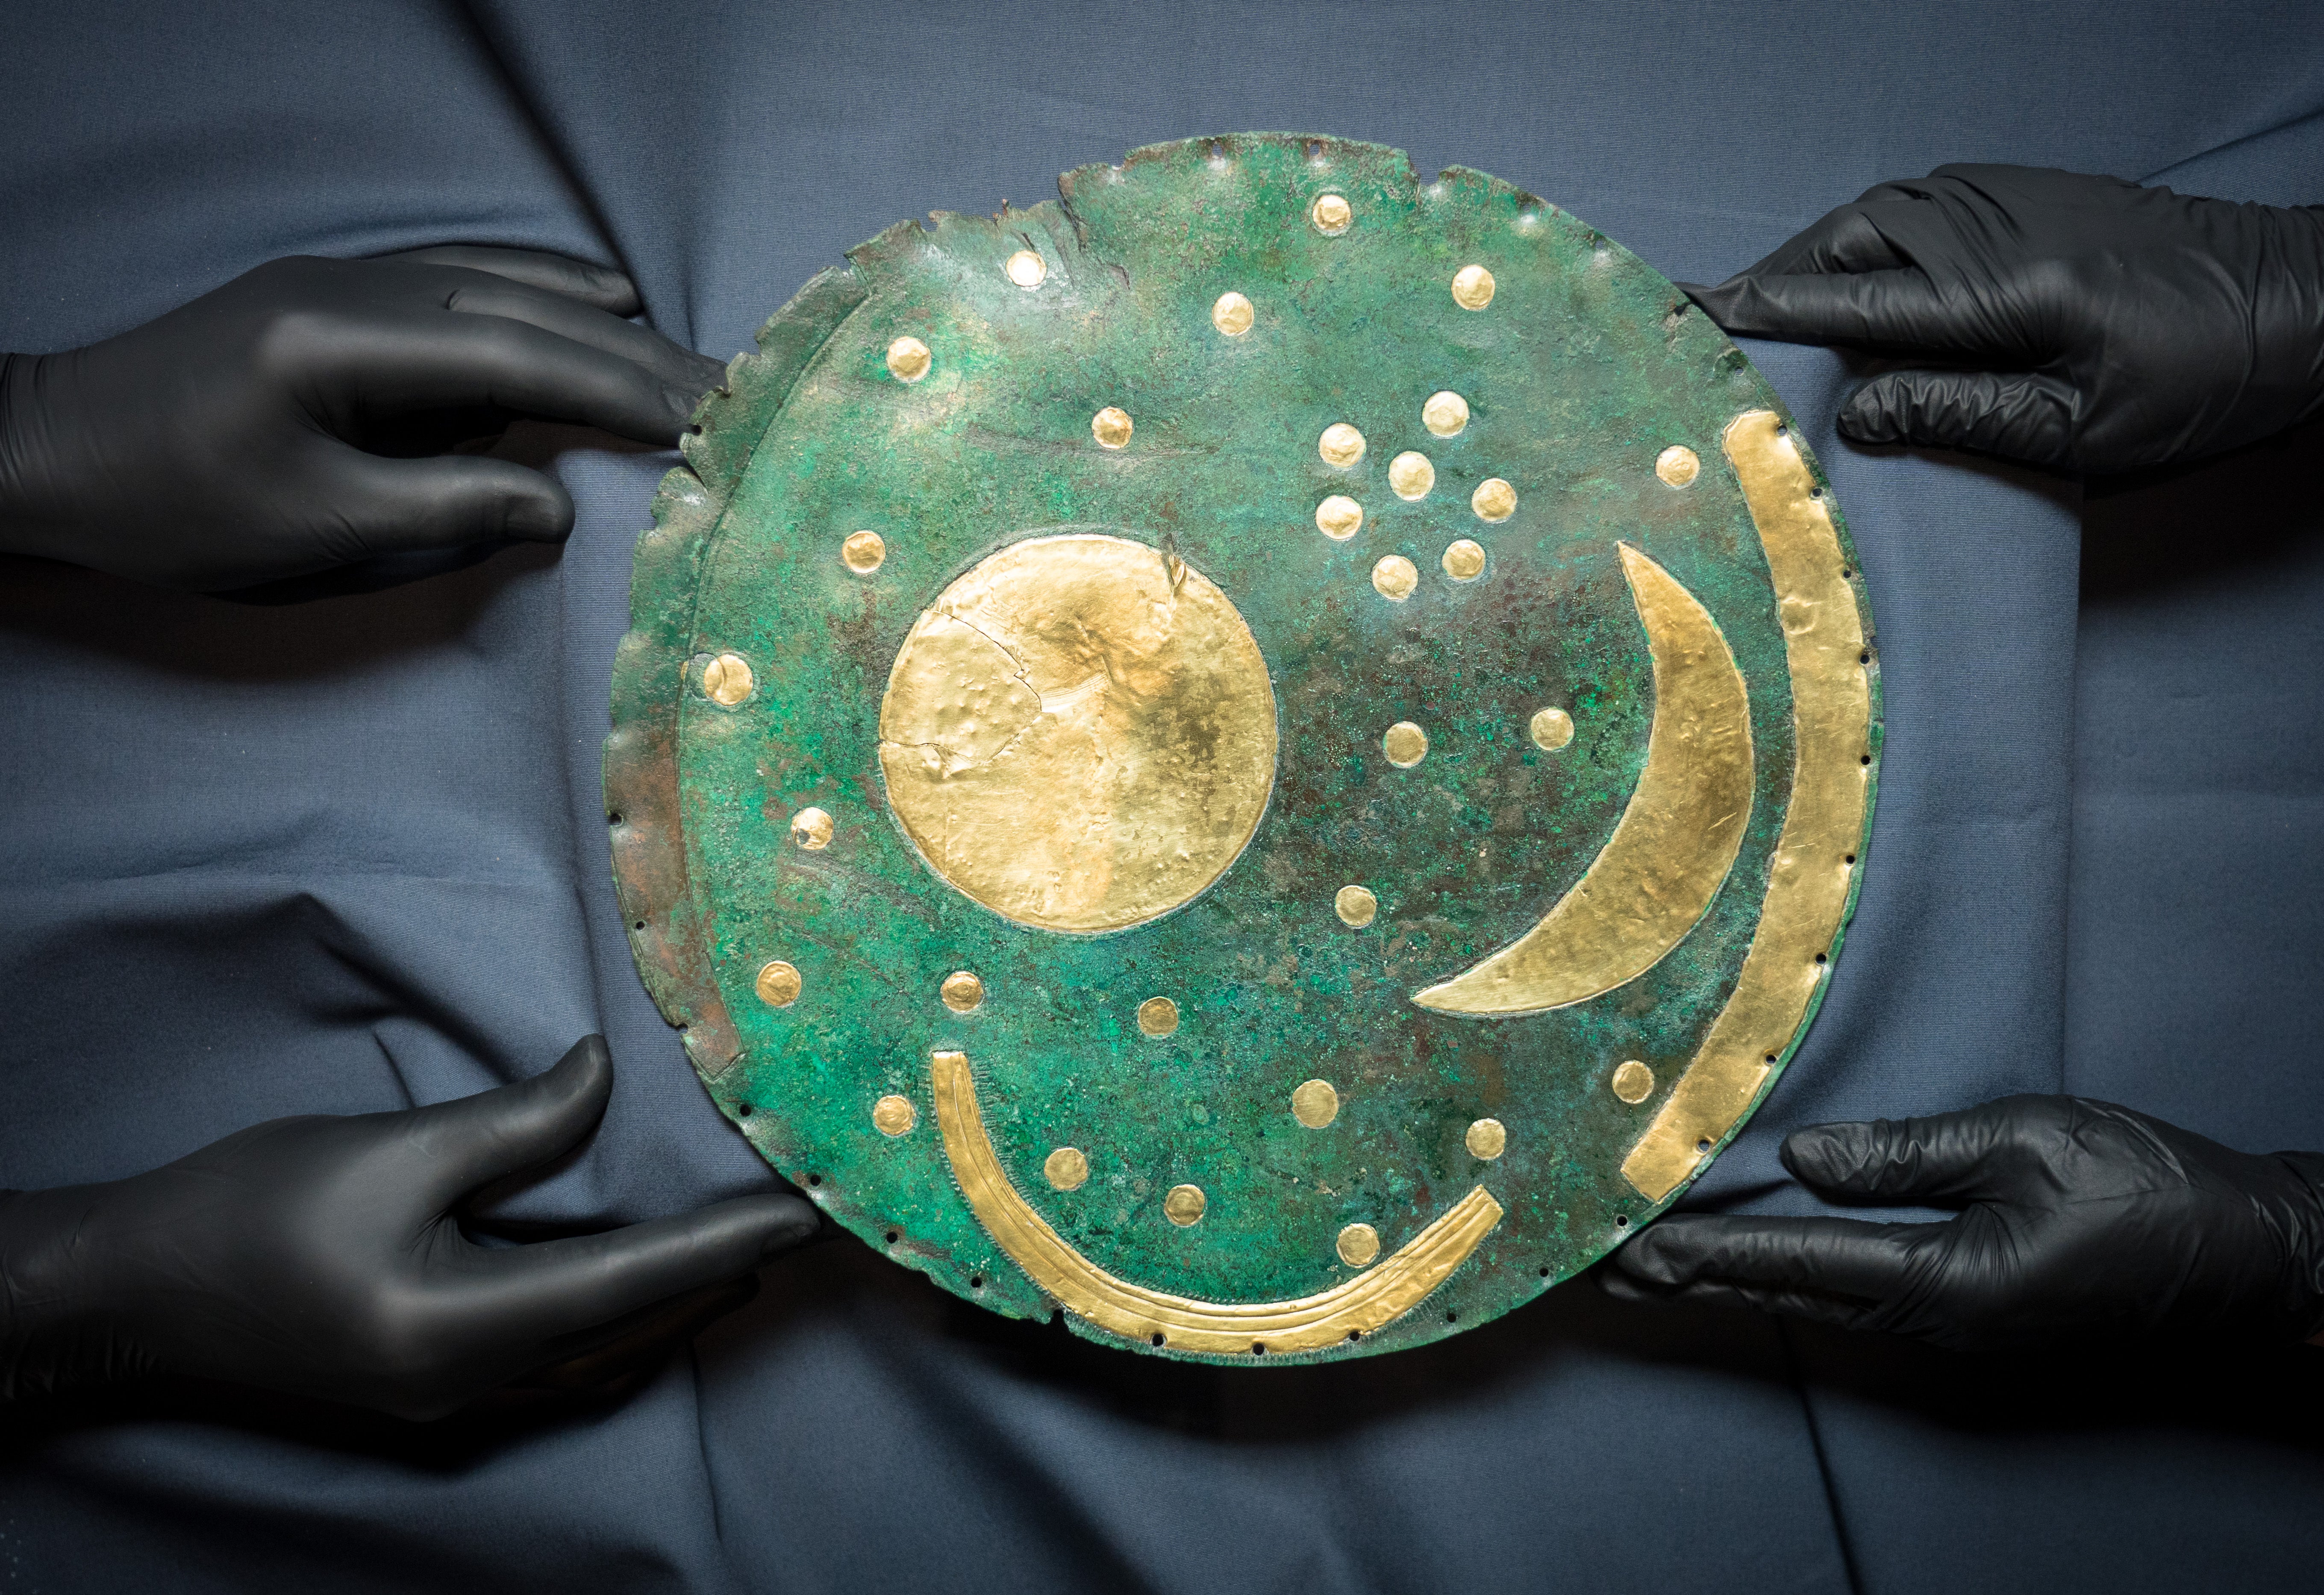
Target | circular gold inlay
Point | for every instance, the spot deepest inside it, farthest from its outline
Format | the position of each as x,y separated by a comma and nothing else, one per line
1338,517
894,1115
1184,1205
1677,464
777,983
1065,1168
1331,214
1464,561
1111,427
1406,745
1411,475
726,680
1027,270
1358,1245
1158,1016
1444,414
1079,734
961,991
1487,1139
1551,729
1395,576
907,360
1355,906
1633,1081
1315,1103
811,829
863,551
1341,444
1472,288
1494,500
1231,314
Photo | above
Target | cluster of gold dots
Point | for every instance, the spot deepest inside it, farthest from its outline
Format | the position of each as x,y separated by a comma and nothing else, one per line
1341,444
1338,517
1465,560
1410,475
1445,414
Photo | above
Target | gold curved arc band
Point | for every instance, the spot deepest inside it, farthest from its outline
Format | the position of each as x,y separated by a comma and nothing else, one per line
1670,853
1377,1298
1808,878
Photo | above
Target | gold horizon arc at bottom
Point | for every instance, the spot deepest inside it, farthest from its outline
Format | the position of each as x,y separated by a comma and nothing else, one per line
1360,1306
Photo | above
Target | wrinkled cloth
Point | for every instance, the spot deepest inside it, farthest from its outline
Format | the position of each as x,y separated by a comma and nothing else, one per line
339,847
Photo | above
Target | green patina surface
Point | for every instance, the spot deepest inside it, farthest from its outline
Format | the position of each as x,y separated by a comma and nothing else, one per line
1586,365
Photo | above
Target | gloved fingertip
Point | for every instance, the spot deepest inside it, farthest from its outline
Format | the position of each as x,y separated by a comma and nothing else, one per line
794,1226
1874,414
1827,1157
586,1066
681,401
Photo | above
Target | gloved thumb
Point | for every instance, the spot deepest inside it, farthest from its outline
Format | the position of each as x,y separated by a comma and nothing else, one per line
2020,415
476,1139
393,506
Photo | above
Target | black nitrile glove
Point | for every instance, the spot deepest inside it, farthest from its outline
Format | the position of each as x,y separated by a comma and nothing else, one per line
2093,326
2079,1221
299,417
321,1257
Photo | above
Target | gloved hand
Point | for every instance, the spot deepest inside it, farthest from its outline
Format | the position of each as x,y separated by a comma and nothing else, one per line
2079,1220
2092,326
321,1257
299,417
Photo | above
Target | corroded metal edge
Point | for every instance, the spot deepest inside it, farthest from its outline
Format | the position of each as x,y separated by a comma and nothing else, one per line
1377,1296
642,801
1813,878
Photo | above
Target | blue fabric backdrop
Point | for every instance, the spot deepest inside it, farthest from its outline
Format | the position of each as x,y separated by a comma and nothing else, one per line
347,853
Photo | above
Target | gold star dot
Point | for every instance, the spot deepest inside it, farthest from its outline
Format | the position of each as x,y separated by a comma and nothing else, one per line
1184,1205
1355,906
1315,1103
1158,1016
1633,1081
1406,745
1338,517
1332,215
1444,414
1065,1168
1359,1244
727,680
1111,427
1494,500
1341,444
1487,1139
1027,270
1394,577
961,991
1678,465
778,984
893,1116
1472,288
1233,314
863,551
1464,561
811,829
907,360
1411,475
1551,729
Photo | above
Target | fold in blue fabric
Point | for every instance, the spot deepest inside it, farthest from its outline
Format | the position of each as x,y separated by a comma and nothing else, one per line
347,853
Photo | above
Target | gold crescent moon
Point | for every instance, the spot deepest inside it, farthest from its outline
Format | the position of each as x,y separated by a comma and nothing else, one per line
1379,1296
1676,842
